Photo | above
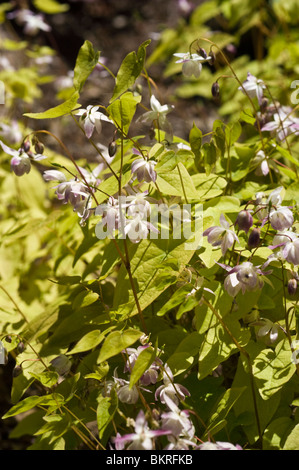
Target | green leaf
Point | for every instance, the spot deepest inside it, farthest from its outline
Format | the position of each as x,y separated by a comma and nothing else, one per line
195,139
177,182
129,70
106,409
122,110
272,369
84,298
117,341
143,362
221,410
89,341
50,7
64,108
33,401
86,61
147,274
292,441
48,378
218,345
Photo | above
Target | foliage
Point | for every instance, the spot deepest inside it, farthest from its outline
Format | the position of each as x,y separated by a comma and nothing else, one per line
154,292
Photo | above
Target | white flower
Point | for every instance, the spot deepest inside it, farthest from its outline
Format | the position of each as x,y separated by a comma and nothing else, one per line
92,118
177,421
254,87
137,229
34,23
11,132
143,437
281,218
170,392
144,170
218,445
283,123
158,114
267,329
192,63
221,235
245,277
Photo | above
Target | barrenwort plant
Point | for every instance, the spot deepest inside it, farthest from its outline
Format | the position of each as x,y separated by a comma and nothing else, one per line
148,285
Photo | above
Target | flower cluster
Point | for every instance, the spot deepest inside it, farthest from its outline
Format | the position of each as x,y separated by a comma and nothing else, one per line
268,211
167,426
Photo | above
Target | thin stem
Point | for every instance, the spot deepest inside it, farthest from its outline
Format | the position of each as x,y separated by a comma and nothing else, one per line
245,353
12,300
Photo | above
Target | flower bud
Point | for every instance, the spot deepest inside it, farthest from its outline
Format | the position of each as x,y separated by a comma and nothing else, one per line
292,286
20,347
244,220
112,148
201,51
26,146
8,339
17,371
215,90
254,238
39,148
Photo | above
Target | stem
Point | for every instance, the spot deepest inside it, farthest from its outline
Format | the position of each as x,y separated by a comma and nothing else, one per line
245,353
12,300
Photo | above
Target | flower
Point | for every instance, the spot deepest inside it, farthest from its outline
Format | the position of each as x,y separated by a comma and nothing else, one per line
21,160
218,445
283,123
170,390
32,22
192,63
245,277
144,170
137,229
143,437
92,118
262,164
221,235
158,114
253,87
267,329
177,421
11,132
290,251
281,218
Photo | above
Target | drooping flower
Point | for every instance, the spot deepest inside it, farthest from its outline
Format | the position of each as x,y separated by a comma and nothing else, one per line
281,218
170,390
253,87
144,170
21,160
92,119
192,63
283,123
177,421
243,277
138,228
221,235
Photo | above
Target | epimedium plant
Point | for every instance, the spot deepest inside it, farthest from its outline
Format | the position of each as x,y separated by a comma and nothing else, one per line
138,331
